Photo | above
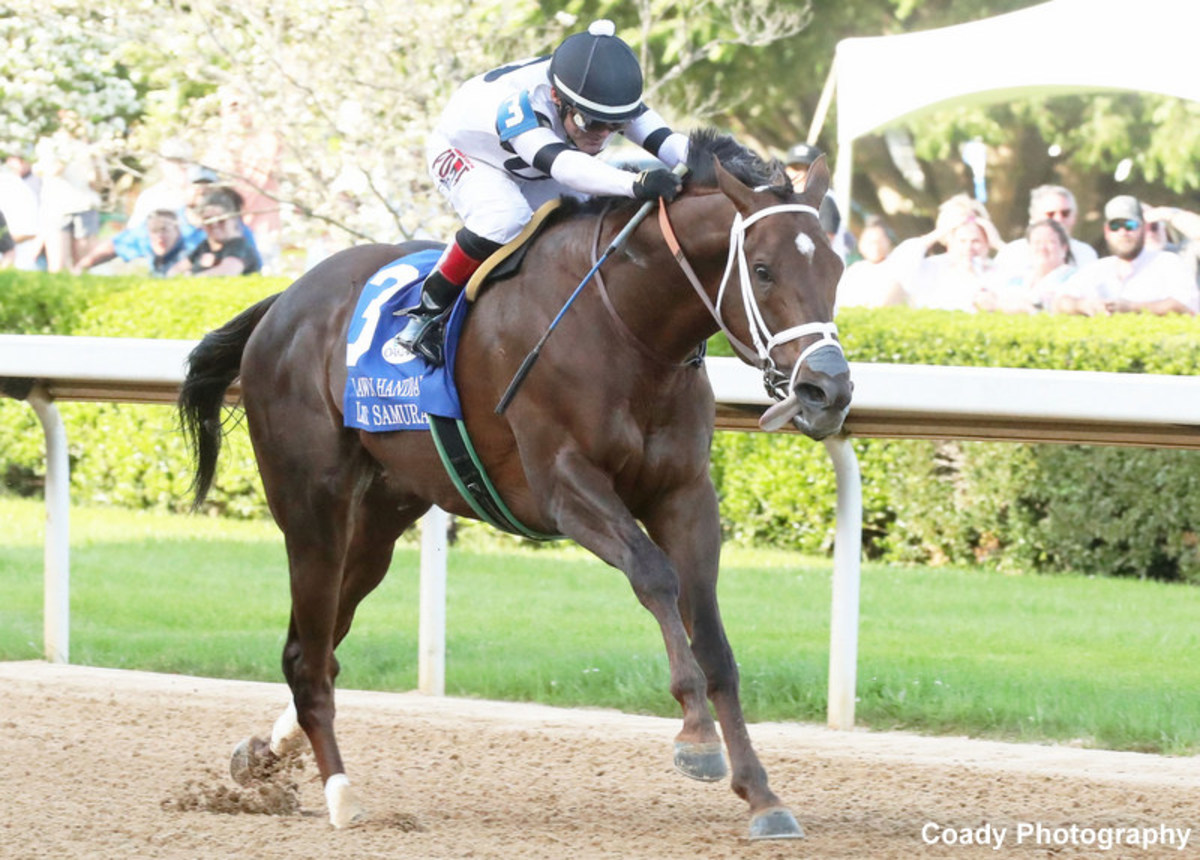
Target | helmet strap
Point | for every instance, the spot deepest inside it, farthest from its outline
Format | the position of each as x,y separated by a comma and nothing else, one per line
564,108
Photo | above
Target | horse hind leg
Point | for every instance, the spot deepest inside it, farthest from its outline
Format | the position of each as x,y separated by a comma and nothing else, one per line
316,521
379,523
376,525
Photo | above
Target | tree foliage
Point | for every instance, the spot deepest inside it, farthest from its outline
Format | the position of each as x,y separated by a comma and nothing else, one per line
348,86
59,65
352,86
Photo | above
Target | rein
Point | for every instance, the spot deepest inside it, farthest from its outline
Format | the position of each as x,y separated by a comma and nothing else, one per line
764,340
605,299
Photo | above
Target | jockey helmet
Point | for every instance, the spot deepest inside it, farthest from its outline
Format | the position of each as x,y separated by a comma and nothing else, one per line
597,74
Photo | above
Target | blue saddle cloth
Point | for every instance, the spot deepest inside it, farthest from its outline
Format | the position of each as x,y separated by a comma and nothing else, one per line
388,387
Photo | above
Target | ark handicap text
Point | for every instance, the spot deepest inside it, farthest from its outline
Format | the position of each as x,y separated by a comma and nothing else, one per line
1101,838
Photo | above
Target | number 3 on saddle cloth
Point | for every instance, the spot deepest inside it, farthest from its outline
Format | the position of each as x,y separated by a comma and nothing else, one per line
389,388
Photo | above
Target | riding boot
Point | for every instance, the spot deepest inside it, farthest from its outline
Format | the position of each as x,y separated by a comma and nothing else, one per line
424,332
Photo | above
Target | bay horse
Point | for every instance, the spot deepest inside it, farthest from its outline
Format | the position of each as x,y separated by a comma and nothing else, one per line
607,442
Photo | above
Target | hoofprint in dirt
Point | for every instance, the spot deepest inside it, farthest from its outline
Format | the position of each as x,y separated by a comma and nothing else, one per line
108,763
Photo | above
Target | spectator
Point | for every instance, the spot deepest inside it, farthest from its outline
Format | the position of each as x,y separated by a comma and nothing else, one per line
958,278
247,154
183,201
870,283
7,246
70,203
1185,227
1046,202
1134,278
159,238
224,250
19,205
171,189
797,161
1050,265
18,162
201,181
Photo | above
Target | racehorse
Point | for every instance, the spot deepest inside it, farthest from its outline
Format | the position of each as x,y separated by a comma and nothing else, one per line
606,443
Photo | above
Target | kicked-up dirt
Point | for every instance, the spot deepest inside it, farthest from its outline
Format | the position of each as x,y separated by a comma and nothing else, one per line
105,763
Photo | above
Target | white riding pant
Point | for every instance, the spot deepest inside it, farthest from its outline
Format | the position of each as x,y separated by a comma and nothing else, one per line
491,202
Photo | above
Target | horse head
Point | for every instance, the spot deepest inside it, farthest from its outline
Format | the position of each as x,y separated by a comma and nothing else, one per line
785,273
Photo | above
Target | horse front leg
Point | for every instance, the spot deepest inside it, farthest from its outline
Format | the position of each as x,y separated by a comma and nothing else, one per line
589,511
687,526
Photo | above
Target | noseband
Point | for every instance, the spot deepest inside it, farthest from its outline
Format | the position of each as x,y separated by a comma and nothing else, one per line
777,383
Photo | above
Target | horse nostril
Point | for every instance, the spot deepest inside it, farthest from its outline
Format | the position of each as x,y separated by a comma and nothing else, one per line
812,395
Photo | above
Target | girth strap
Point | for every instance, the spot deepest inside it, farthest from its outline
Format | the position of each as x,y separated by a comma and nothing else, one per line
462,464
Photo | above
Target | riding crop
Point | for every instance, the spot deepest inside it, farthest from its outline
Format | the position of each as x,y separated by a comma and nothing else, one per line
615,244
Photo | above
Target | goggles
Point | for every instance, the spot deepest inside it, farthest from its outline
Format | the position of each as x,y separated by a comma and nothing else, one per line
1129,224
585,123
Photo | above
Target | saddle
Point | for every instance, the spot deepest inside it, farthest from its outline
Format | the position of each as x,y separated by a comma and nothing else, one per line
506,262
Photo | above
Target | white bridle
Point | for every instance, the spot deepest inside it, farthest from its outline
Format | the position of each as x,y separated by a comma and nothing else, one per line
763,339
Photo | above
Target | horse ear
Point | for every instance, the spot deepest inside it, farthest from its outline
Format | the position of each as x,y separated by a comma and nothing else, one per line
732,187
816,184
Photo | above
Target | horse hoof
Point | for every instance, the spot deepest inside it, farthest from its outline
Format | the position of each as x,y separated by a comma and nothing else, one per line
775,823
345,809
705,762
245,765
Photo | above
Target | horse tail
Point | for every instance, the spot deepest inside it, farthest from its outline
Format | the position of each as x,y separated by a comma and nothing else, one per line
212,367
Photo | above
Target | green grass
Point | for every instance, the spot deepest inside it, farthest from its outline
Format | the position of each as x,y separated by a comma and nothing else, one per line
1101,662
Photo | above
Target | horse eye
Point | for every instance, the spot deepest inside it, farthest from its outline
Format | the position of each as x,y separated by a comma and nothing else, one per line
763,273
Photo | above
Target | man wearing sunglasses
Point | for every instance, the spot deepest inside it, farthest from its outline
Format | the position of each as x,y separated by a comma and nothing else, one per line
1135,278
515,137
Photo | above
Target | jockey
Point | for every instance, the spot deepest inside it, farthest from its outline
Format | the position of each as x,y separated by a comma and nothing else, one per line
522,134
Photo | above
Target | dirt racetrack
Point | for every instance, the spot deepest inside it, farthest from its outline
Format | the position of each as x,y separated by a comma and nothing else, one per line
114,764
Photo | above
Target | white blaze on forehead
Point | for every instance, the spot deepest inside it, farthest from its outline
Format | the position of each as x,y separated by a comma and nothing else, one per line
806,245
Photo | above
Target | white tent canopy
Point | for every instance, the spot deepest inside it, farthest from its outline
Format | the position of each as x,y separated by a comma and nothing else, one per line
1055,48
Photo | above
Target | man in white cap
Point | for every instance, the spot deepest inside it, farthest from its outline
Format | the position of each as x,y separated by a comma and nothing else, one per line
1135,278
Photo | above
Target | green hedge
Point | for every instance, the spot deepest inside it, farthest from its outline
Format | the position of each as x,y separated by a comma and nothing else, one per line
1103,511
40,303
130,455
1097,510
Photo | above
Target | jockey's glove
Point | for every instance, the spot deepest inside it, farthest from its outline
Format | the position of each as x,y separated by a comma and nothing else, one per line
659,182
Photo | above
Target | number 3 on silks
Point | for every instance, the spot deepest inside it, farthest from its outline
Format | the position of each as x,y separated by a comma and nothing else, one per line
515,116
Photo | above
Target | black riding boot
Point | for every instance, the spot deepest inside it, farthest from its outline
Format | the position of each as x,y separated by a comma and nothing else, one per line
427,321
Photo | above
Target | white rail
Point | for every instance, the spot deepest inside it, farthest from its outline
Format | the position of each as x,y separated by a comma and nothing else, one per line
890,401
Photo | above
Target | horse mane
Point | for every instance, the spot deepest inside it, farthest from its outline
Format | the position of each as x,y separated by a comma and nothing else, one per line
707,144
705,147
